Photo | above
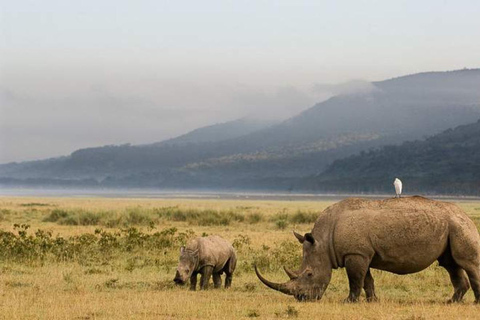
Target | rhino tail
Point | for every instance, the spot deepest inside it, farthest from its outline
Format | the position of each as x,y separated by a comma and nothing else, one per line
232,263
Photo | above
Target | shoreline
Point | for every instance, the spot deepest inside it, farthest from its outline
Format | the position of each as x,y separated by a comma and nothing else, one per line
206,195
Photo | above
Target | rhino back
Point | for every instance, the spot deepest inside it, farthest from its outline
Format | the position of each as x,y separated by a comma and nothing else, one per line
400,235
214,251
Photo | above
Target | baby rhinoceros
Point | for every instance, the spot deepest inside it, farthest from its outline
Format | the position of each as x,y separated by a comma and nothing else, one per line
208,256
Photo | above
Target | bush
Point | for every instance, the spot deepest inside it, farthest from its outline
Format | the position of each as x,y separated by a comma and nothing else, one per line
303,217
287,253
205,217
97,247
148,217
35,204
254,218
253,314
3,213
138,217
281,224
88,218
109,219
282,219
283,215
56,215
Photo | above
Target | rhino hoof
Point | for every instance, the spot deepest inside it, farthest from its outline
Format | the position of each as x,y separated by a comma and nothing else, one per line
455,300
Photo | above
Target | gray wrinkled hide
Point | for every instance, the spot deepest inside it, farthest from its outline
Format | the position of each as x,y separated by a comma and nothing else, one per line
211,256
402,236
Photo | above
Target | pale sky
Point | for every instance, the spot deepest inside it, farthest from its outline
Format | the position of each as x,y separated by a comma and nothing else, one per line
76,74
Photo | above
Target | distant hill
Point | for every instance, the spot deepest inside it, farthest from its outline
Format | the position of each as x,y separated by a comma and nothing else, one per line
248,154
446,163
219,132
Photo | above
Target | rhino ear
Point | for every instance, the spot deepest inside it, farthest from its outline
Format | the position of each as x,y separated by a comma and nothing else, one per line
309,238
300,238
182,249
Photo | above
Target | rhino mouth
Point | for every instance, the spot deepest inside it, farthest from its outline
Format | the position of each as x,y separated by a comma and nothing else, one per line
179,281
303,297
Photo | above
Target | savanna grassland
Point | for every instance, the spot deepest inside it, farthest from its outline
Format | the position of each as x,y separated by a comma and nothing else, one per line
99,258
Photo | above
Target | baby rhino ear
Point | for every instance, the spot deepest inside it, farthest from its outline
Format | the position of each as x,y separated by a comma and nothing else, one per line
182,249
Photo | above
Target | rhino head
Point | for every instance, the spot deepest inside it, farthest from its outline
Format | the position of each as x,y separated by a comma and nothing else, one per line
310,282
186,265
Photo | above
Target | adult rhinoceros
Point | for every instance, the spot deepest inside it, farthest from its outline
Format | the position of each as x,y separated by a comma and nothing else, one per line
402,236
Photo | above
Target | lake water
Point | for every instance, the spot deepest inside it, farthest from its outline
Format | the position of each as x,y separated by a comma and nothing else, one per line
196,194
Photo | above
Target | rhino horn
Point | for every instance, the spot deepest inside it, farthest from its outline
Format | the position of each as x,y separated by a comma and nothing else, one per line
300,238
291,274
282,287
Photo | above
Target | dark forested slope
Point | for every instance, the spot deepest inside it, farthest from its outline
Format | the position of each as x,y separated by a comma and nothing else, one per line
447,163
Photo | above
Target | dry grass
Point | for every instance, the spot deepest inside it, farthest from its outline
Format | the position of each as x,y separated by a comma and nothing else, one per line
118,289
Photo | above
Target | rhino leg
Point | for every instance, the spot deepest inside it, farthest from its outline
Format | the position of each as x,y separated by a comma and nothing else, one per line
228,269
465,252
193,281
459,281
369,287
357,267
205,278
458,276
474,277
228,280
217,280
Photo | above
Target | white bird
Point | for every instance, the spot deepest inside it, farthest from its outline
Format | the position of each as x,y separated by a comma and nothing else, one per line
398,187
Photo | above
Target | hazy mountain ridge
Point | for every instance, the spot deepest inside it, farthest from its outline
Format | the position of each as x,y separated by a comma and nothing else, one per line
220,131
242,155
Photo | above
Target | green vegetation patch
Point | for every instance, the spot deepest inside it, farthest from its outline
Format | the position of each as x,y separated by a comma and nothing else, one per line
133,216
97,248
148,217
35,204
205,217
283,219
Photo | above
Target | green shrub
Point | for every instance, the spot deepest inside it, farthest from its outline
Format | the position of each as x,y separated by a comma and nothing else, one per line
254,218
137,217
241,242
281,224
56,215
86,218
35,204
291,312
206,217
131,216
283,215
98,247
253,314
303,217
286,253
3,213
